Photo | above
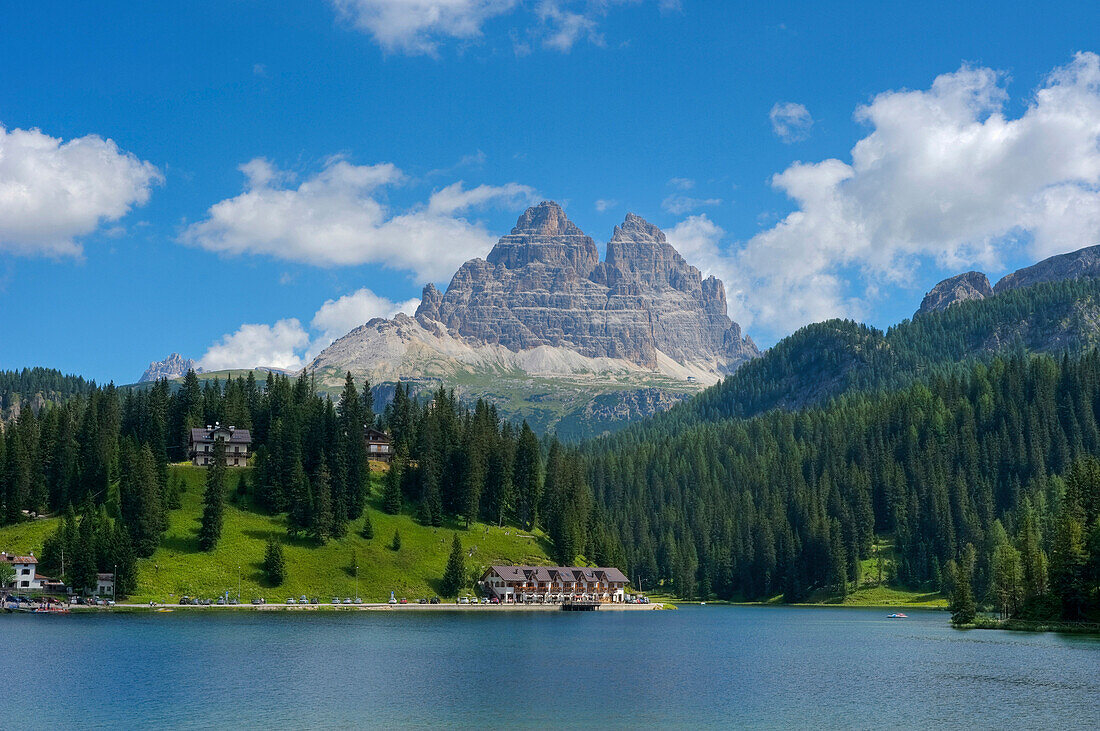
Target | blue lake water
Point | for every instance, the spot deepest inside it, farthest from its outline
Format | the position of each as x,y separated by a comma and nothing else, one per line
693,667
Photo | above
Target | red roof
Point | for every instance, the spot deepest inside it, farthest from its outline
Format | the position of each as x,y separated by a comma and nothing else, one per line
20,559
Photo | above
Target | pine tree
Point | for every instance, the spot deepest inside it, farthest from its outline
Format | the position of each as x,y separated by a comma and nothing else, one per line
274,562
528,477
963,610
392,497
454,576
395,544
368,526
322,526
213,499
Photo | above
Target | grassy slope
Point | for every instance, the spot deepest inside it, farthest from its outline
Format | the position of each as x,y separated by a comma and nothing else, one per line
178,567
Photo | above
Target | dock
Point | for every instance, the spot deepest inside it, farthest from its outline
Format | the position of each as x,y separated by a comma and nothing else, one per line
578,606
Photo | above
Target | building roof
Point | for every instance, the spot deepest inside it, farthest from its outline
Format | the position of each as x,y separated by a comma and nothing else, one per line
376,435
105,577
236,436
552,573
18,559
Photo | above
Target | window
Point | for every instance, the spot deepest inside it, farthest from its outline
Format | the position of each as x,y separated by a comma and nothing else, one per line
25,572
24,583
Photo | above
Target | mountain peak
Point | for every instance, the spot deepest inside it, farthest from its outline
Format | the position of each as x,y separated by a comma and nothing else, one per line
174,366
1074,265
960,288
545,219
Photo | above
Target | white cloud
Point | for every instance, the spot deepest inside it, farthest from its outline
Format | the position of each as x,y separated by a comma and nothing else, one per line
253,345
943,176
606,204
287,344
416,26
335,218
682,183
420,26
791,122
338,317
680,204
53,192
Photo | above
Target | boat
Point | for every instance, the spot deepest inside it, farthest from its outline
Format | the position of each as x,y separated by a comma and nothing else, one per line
899,615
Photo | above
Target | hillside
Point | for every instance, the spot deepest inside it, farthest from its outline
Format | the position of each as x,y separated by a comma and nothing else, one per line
178,567
827,359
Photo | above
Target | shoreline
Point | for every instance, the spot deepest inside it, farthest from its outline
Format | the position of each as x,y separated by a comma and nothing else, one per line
365,607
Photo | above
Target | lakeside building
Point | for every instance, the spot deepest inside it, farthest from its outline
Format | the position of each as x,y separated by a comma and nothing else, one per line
26,571
238,445
379,445
105,585
540,584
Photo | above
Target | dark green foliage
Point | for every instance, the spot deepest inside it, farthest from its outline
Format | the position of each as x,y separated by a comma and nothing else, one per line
368,527
213,500
391,491
454,576
788,503
274,563
322,525
395,544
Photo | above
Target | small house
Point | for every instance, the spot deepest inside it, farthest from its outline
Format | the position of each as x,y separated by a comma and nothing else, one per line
238,445
379,445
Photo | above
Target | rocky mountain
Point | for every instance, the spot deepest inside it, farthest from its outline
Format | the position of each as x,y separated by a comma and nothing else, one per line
1074,265
541,314
960,288
174,366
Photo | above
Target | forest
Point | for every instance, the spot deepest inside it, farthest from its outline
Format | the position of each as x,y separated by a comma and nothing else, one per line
100,460
986,476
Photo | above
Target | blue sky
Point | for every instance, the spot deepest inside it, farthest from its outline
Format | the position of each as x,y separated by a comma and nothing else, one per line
241,181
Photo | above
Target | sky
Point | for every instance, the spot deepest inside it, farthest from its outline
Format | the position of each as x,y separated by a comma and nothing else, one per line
243,181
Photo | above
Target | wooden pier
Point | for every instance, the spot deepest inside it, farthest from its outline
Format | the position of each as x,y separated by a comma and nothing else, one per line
578,606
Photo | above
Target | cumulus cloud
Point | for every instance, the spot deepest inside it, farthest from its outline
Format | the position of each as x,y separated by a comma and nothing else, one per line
336,218
420,26
288,344
680,204
943,176
256,345
54,192
791,122
338,317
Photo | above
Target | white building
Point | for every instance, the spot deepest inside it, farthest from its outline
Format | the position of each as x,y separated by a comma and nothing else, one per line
238,445
540,584
105,585
26,572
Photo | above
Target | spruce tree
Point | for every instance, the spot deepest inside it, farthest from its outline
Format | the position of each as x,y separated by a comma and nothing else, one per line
274,562
454,576
395,544
213,499
963,610
322,526
392,497
368,526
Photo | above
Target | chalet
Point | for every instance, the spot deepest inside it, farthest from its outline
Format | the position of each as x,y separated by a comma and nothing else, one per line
541,584
105,585
26,574
238,445
379,445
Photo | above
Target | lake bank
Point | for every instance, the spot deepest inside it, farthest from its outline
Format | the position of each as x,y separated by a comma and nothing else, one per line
365,607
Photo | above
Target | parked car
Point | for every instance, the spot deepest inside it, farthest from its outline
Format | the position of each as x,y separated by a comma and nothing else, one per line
314,600
404,600
393,600
358,600
421,600
484,600
184,600
464,600
257,600
335,600
347,600
291,600
434,600
234,601
494,600
221,601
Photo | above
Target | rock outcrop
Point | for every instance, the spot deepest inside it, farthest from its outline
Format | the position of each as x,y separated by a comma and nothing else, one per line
960,288
1074,265
544,285
174,366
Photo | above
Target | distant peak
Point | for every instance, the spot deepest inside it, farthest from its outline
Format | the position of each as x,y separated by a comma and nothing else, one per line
636,228
545,219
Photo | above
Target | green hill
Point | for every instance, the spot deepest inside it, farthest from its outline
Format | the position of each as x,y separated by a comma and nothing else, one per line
178,567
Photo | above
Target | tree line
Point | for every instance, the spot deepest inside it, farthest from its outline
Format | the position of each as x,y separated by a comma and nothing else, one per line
954,469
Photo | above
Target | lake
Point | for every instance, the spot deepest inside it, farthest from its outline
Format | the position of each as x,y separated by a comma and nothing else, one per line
693,667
